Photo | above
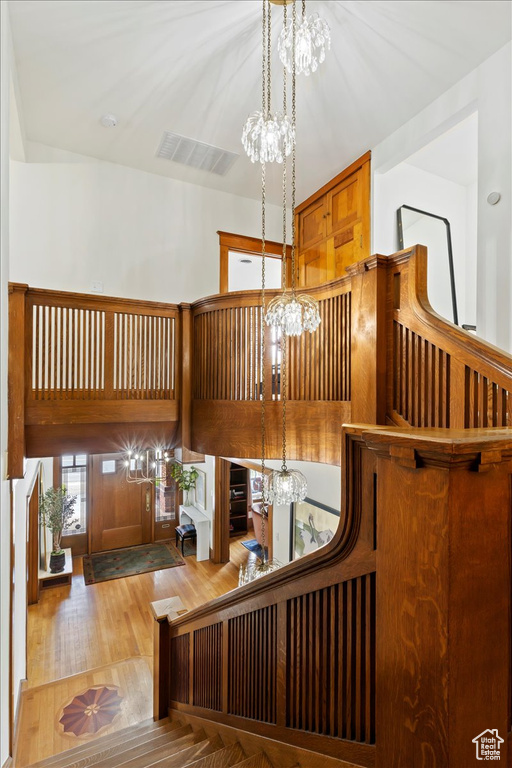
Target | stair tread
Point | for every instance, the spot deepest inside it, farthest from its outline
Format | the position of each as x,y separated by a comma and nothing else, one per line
144,758
256,761
183,737
190,755
141,746
109,740
222,758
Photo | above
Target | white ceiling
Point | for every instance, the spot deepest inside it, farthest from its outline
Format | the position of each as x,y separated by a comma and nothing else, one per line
193,67
453,155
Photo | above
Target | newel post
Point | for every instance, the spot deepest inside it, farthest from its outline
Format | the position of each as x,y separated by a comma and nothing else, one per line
443,596
19,351
368,340
161,660
186,382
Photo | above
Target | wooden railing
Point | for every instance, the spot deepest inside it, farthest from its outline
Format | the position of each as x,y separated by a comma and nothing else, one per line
227,343
370,650
88,348
77,359
438,374
291,656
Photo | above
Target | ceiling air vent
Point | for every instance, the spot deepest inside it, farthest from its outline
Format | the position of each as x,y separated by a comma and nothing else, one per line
195,154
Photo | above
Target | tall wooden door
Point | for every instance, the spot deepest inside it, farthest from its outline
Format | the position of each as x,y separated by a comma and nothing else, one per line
121,512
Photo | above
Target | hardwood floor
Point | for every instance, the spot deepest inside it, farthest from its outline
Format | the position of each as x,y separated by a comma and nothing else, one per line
40,732
102,634
76,628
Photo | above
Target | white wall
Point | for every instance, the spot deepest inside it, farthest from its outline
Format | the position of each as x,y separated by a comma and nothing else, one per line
407,185
494,261
143,236
5,513
486,89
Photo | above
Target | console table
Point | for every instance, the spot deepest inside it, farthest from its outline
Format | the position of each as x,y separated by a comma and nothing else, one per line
193,515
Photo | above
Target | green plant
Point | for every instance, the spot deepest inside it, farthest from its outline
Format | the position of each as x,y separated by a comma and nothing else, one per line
56,512
186,478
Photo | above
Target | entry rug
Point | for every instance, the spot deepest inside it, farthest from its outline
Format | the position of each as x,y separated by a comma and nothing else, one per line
117,563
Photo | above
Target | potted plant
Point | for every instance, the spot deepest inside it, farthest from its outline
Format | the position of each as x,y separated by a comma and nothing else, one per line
56,511
186,480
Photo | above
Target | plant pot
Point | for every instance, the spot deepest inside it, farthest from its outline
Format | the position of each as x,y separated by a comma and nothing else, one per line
57,562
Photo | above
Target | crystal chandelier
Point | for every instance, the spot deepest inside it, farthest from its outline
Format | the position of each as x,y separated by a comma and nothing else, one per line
292,313
267,137
146,466
312,39
286,485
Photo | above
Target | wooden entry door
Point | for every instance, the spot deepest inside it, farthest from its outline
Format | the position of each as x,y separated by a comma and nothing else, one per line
121,512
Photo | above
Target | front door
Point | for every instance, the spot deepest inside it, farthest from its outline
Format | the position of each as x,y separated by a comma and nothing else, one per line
121,512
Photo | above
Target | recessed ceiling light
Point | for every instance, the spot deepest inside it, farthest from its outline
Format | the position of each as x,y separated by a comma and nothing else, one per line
245,261
108,121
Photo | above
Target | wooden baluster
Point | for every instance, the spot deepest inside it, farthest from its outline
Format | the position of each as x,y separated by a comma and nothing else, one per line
456,393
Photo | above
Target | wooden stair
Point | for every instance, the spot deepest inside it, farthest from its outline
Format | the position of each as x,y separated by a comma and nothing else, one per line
164,744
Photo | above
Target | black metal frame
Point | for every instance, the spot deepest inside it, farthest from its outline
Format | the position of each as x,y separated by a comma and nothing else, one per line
450,250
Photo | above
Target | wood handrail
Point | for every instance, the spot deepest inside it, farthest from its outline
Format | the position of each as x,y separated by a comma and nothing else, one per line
253,297
473,351
437,373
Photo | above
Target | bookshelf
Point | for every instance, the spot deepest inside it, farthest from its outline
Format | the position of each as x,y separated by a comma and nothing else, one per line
238,499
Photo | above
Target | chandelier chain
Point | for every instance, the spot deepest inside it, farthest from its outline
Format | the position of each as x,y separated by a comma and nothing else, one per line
283,261
269,54
303,9
294,120
264,61
262,359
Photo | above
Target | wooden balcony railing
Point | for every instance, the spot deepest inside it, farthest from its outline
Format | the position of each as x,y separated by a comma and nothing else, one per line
379,648
227,343
228,373
438,374
78,360
380,355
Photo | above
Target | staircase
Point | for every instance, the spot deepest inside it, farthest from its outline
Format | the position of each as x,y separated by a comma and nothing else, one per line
163,744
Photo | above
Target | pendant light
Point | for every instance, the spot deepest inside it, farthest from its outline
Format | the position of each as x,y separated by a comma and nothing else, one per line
291,313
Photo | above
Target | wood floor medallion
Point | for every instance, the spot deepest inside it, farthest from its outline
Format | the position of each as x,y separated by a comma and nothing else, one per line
90,711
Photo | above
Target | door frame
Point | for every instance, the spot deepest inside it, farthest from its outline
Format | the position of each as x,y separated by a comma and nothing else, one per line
221,538
252,245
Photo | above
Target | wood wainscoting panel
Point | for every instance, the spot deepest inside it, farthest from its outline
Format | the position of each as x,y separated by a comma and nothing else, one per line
226,428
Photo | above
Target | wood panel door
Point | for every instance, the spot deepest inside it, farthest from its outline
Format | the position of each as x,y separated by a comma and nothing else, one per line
313,224
314,265
121,512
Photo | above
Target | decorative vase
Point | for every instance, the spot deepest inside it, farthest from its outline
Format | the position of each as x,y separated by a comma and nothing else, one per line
187,500
57,562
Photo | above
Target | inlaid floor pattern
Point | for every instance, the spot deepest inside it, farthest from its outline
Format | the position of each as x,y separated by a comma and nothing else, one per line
163,744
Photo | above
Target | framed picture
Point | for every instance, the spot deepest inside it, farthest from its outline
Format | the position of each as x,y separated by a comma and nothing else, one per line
313,525
201,489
